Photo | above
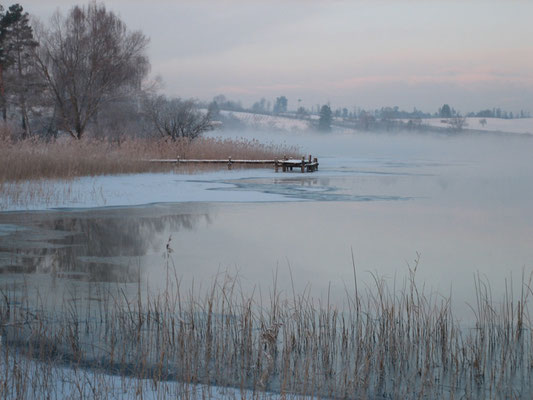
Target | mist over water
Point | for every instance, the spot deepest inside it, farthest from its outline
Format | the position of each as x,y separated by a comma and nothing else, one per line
462,203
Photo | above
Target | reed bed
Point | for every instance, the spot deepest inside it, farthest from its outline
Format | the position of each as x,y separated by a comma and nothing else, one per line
29,169
34,159
381,343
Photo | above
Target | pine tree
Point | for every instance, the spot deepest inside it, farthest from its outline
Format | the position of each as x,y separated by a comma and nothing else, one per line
3,61
281,105
445,111
19,46
326,116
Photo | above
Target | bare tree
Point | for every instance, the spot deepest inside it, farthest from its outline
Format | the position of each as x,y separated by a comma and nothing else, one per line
88,59
457,123
177,118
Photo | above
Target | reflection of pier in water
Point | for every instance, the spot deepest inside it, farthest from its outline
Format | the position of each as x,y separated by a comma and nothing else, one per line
100,246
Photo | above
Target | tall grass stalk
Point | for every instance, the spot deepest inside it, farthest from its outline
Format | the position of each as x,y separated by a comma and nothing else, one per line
380,344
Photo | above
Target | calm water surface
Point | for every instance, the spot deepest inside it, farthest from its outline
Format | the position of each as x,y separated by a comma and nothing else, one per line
464,205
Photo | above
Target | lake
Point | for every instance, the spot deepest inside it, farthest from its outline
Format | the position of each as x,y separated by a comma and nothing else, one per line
462,205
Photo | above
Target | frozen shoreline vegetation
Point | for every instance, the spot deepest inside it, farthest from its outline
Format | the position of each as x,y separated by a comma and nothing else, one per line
384,342
37,174
134,190
33,160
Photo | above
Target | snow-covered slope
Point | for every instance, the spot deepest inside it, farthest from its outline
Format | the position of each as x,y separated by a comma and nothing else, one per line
284,123
260,121
521,125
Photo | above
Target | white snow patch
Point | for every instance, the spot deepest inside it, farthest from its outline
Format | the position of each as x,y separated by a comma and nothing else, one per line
275,122
517,125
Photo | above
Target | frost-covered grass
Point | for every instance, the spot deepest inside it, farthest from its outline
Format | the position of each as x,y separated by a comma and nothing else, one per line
385,342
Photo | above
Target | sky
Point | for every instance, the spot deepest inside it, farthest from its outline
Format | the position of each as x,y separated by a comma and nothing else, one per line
367,54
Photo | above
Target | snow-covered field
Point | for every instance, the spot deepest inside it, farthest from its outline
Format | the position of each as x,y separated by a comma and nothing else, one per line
281,123
521,125
273,122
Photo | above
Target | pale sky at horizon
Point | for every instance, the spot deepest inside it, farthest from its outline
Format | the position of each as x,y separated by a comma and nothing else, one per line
410,53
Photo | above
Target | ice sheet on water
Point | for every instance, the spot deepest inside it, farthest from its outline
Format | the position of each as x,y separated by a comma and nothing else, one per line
239,185
140,189
308,189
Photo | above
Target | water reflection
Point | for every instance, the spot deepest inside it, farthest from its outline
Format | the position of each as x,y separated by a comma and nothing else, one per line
101,246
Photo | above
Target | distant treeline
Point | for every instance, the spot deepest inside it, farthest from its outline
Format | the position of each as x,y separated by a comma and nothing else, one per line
280,107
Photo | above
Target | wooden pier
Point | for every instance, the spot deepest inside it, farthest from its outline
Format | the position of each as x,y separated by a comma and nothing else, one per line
309,164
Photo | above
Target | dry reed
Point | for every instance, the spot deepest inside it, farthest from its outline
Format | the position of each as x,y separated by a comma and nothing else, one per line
382,344
34,159
26,167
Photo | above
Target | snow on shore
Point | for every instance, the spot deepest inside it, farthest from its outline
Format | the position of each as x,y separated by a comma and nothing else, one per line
63,382
135,189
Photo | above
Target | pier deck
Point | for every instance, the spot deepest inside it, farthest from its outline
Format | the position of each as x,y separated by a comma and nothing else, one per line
309,164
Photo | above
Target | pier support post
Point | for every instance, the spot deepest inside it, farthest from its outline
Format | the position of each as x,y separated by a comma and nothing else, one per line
229,162
303,164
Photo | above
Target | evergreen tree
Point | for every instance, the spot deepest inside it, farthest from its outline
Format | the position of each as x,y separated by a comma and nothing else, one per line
445,111
281,105
326,116
213,110
4,61
22,84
